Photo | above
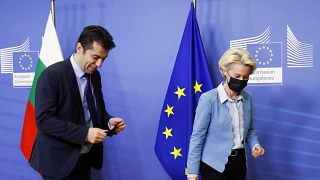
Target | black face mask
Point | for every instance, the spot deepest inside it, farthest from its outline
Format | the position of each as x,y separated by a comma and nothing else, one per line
236,84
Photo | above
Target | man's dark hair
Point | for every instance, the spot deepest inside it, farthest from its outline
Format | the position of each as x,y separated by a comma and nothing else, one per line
98,34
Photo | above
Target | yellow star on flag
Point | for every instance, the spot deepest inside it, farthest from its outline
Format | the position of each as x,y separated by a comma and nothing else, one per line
169,110
186,171
180,92
197,87
176,152
167,132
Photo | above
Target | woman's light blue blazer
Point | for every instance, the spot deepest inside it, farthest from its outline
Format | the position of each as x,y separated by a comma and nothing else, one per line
212,138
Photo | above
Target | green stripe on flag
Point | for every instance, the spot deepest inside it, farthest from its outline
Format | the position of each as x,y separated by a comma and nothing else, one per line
40,68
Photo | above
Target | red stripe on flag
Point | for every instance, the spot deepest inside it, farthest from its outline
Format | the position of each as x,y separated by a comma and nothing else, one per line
29,131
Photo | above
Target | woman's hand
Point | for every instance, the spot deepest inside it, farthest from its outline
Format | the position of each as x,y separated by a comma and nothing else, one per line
257,151
193,178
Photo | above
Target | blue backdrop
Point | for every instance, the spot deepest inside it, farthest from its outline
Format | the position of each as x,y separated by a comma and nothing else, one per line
137,73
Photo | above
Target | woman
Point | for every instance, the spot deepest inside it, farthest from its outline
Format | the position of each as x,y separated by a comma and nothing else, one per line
224,123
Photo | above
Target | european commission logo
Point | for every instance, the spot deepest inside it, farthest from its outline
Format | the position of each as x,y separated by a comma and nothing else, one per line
25,62
299,54
20,62
269,62
24,66
268,56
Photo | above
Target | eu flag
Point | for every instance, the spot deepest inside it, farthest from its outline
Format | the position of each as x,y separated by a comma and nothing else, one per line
190,77
25,62
266,55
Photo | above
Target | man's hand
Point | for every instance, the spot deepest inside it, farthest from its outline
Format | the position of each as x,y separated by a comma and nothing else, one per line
96,135
257,151
117,123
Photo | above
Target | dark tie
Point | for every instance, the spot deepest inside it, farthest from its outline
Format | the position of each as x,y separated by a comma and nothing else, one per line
90,101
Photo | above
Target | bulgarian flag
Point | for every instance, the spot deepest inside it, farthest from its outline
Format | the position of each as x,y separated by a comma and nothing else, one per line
50,53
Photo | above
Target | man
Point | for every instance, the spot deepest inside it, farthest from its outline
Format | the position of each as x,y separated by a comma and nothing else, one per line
70,111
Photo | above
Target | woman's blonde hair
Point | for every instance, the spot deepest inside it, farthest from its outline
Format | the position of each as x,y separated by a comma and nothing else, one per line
236,55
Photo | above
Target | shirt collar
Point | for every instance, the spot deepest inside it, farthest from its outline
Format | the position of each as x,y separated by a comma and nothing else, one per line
77,70
223,94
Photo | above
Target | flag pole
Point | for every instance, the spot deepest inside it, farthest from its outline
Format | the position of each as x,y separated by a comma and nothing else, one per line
194,4
52,12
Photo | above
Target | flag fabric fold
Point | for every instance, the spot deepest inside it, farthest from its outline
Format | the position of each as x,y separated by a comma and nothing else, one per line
189,79
50,53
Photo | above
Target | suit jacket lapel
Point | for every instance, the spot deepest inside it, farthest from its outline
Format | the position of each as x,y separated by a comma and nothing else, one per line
71,78
246,115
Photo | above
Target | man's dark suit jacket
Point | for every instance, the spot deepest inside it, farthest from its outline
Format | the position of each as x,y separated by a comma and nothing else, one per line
62,130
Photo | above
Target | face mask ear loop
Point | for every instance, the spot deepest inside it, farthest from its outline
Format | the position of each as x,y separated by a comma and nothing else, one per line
227,77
